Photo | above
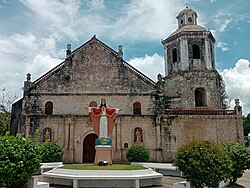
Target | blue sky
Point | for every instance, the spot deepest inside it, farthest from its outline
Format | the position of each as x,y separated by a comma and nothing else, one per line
34,34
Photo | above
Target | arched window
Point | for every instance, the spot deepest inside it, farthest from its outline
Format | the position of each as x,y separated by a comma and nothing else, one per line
200,97
126,145
93,104
174,55
47,134
137,108
196,52
49,107
138,136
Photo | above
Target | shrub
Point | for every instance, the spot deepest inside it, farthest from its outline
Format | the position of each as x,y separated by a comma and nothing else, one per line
137,154
203,163
19,159
51,152
240,157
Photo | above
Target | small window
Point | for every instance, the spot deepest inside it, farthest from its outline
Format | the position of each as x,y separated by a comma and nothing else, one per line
126,145
190,19
200,97
174,55
137,108
181,21
93,104
49,108
196,52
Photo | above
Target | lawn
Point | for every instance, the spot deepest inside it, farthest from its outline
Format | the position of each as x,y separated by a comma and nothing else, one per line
108,167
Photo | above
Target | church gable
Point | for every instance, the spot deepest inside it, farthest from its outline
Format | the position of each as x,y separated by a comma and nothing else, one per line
94,68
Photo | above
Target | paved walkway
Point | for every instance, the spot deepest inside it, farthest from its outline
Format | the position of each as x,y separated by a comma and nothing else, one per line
243,182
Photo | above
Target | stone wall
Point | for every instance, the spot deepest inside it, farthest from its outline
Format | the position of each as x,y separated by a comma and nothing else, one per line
78,127
182,87
178,130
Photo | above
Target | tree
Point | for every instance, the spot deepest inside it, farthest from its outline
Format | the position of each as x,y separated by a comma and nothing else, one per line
203,163
222,93
4,120
137,154
19,159
246,125
240,157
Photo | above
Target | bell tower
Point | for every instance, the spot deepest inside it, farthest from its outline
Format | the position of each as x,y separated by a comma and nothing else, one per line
191,79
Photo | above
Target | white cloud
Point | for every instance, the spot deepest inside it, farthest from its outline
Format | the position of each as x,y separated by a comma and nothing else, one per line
151,66
225,25
147,20
21,54
41,64
237,81
223,46
58,16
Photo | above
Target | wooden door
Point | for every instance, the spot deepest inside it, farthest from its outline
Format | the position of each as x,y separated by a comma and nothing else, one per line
89,148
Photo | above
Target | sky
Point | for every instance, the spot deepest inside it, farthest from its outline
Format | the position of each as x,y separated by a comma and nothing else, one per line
34,35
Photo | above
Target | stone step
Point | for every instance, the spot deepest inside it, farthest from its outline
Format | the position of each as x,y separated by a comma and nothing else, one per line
41,184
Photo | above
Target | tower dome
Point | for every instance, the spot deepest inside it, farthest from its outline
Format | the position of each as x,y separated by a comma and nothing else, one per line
187,17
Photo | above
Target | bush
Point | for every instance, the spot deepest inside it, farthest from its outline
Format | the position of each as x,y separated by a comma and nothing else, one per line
51,152
19,159
137,154
240,157
203,163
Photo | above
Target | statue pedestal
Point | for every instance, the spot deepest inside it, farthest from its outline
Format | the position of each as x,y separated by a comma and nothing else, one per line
103,153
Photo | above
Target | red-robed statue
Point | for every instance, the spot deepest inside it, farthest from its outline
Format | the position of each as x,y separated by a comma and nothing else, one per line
103,119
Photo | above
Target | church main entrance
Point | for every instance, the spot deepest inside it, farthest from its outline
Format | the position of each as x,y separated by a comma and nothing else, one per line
88,154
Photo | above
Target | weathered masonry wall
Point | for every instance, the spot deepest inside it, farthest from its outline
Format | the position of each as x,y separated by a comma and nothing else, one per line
178,130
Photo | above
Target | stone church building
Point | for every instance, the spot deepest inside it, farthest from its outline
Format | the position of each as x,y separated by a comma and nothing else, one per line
187,103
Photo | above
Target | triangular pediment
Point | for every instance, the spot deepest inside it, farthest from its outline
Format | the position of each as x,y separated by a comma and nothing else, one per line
93,68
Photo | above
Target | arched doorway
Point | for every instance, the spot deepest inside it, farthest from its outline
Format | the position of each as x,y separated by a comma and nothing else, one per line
88,153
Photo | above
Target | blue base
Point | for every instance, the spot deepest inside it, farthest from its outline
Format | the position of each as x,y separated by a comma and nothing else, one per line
103,141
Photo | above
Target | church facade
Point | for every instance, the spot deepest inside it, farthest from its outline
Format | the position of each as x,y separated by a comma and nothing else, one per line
185,104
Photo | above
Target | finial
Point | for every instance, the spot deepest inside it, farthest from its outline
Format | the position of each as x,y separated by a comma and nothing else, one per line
186,4
68,46
120,52
68,51
28,77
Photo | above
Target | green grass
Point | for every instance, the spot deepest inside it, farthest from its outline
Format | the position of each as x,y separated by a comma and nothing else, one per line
108,167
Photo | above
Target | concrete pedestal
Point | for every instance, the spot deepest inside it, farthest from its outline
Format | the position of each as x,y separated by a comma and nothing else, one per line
103,153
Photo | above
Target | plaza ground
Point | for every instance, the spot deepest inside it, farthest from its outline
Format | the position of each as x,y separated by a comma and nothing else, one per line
243,182
168,181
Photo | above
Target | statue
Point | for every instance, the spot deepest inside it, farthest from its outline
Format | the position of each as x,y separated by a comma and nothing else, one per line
103,119
138,136
47,136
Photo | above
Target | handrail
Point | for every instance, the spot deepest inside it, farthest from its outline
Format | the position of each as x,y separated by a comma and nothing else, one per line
199,112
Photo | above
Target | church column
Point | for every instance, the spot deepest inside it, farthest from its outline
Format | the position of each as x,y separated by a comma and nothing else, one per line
27,127
158,139
69,139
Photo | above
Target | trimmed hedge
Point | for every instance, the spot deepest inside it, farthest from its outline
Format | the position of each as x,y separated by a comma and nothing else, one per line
137,154
204,163
51,152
